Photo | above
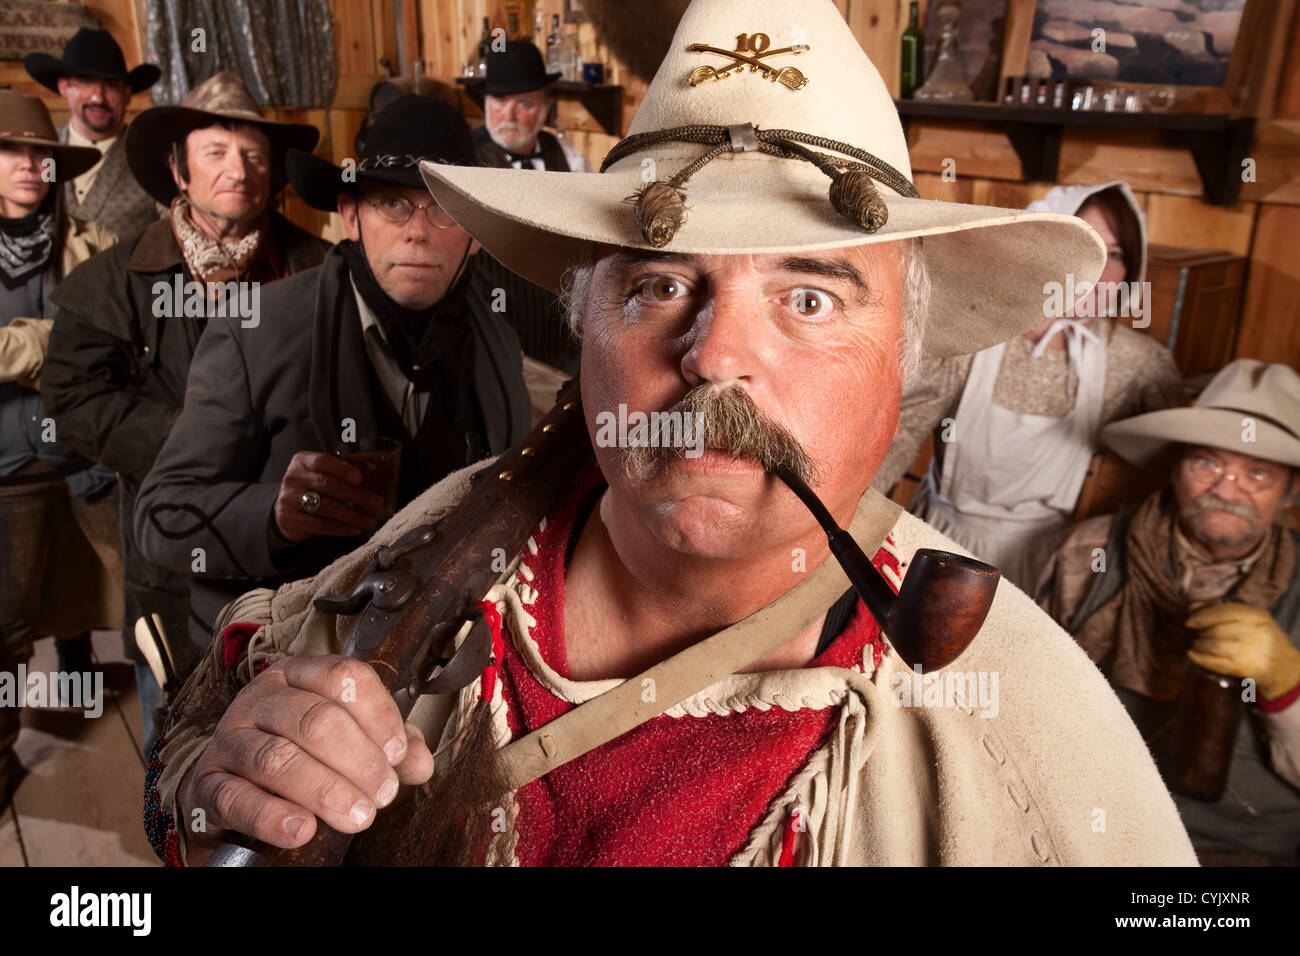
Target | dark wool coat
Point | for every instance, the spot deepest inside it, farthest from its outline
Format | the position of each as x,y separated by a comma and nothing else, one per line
489,153
259,395
115,378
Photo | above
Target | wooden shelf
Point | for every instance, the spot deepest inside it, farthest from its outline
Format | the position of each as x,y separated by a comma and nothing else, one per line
604,101
1218,142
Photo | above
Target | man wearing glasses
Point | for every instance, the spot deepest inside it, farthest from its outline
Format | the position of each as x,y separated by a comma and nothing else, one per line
394,337
1205,572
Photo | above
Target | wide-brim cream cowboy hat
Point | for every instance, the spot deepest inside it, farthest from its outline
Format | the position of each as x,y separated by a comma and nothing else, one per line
1251,408
24,121
806,73
222,96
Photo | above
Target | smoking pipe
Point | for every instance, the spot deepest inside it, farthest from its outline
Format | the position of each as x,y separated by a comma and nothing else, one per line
941,605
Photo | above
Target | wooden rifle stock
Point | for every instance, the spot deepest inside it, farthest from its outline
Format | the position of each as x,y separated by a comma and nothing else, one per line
417,592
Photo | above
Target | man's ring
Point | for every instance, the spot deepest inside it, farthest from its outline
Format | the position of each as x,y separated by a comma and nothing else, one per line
310,502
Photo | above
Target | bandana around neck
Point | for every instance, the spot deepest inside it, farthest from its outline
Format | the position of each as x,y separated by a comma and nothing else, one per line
430,345
25,246
209,259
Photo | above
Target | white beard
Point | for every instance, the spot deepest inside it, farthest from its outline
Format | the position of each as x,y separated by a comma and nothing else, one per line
514,140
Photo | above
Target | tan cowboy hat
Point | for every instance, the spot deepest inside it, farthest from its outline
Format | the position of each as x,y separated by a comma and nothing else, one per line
1250,408
808,90
24,120
221,96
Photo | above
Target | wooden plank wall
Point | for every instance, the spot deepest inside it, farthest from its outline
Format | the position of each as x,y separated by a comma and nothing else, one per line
1262,225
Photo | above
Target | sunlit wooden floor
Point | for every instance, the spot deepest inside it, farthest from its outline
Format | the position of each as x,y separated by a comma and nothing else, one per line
80,802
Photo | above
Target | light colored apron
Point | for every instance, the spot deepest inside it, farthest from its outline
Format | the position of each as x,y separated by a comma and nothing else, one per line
1010,481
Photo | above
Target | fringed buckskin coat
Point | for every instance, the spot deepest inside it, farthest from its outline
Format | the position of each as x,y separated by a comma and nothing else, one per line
1059,776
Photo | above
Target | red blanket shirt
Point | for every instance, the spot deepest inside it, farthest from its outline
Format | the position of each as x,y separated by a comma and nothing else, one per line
675,791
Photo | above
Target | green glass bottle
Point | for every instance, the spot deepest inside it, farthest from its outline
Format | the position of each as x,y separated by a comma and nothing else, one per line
913,57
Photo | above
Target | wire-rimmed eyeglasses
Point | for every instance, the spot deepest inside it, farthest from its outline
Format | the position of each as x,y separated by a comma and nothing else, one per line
1251,478
398,210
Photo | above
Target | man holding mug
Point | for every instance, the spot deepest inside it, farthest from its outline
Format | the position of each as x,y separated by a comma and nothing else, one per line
392,337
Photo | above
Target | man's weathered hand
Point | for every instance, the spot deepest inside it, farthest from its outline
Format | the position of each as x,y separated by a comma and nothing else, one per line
346,508
1245,641
308,738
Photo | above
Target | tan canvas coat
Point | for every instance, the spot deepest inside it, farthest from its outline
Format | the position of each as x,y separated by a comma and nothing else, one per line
1059,776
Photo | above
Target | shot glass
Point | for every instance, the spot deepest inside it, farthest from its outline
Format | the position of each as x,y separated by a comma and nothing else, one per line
380,463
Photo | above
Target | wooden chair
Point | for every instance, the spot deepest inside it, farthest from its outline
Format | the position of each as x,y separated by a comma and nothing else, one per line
1112,482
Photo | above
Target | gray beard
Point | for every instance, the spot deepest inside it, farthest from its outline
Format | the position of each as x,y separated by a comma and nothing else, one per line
518,152
1192,514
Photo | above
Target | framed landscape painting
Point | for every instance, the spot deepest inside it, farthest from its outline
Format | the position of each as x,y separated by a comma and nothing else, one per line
1181,42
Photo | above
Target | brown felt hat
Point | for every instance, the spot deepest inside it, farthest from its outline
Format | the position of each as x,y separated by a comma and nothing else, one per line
24,120
221,96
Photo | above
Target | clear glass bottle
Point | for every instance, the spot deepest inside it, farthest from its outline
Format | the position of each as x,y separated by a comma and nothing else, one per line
484,48
556,49
539,28
947,81
913,59
574,57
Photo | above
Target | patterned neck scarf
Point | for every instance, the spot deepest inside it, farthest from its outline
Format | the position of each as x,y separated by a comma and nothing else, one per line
25,246
209,259
1202,578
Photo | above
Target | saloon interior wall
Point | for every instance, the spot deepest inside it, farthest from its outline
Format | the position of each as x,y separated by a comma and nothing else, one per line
378,37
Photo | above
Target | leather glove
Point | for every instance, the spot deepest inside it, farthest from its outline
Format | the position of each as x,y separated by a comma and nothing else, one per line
1245,641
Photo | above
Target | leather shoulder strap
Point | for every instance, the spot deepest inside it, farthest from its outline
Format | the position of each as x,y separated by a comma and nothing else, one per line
622,708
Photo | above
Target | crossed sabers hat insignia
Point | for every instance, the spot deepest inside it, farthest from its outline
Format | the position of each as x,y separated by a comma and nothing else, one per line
746,44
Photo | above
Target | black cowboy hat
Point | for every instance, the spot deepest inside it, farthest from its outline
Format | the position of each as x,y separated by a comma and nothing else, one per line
409,129
221,96
518,68
90,53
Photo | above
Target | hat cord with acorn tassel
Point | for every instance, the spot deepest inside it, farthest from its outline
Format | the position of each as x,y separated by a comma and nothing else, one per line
661,205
